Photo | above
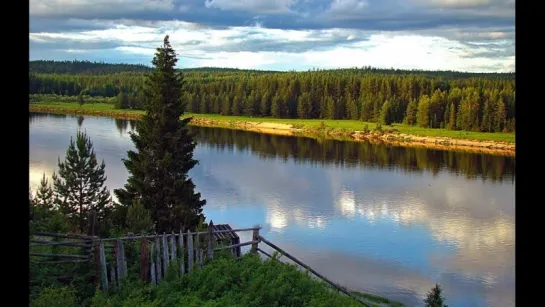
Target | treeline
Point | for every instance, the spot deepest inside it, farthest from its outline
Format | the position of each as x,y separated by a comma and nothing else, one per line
482,103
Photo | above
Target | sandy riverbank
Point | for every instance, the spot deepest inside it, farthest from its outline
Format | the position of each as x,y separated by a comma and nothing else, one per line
394,138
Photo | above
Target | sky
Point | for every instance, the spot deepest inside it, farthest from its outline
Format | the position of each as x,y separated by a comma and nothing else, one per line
461,35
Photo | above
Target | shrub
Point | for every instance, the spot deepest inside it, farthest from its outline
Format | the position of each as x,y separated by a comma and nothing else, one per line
435,297
55,297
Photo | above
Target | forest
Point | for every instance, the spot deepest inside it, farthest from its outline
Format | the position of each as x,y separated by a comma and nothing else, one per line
442,99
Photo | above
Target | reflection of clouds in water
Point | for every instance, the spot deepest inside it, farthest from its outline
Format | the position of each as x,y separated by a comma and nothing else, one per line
305,204
347,203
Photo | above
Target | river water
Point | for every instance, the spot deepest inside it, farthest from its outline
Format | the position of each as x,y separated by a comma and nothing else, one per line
380,219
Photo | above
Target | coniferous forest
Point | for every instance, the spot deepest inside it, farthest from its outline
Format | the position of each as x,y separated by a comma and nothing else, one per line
441,99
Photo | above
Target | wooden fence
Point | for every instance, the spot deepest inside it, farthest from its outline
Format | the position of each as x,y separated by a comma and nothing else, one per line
157,253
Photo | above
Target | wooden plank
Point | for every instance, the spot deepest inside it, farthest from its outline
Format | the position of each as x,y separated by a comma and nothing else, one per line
334,285
165,255
63,261
53,243
59,255
104,268
118,263
112,276
144,259
189,251
158,259
229,231
235,245
172,247
210,251
182,260
255,238
264,252
63,235
97,263
201,256
152,264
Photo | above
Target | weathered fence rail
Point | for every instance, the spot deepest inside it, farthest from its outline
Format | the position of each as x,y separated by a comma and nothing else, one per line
158,251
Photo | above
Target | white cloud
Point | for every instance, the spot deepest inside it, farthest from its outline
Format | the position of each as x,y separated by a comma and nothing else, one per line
253,6
332,48
457,3
88,7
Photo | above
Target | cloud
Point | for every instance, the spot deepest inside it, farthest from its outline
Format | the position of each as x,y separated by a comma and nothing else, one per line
461,35
253,6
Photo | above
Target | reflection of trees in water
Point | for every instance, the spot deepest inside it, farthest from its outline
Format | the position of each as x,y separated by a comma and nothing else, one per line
80,121
37,116
122,125
351,154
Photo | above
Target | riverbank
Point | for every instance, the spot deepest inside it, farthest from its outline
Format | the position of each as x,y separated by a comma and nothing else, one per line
397,135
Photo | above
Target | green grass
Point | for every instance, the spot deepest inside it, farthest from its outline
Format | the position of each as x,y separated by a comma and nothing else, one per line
351,125
225,281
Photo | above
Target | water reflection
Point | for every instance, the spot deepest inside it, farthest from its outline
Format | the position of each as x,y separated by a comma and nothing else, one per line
359,154
376,218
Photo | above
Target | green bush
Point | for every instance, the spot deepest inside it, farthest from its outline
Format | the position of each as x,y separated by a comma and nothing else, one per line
55,297
226,281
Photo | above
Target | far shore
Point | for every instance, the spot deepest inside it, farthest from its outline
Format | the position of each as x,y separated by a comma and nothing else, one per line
396,135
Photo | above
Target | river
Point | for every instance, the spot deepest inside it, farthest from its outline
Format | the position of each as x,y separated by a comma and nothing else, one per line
380,219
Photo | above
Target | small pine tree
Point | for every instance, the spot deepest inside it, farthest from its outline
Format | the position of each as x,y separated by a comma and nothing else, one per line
139,218
385,117
80,99
79,185
44,195
435,297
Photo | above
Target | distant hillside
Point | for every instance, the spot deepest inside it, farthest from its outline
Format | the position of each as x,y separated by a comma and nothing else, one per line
101,68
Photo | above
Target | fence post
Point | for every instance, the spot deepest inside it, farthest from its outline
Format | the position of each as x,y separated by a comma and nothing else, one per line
104,268
210,253
165,255
158,258
182,264
91,220
189,251
255,237
144,259
173,246
152,265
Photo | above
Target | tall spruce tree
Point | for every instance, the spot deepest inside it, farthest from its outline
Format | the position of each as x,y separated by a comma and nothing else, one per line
79,185
158,169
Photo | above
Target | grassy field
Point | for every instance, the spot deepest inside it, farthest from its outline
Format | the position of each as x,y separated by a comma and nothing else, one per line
354,125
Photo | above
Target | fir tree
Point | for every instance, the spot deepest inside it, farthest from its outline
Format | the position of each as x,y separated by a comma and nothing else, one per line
422,115
435,297
265,106
80,98
79,185
276,106
352,108
158,168
304,106
138,217
412,107
122,101
452,117
385,117
44,195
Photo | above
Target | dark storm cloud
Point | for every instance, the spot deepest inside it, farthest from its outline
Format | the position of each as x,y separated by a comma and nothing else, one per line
386,15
